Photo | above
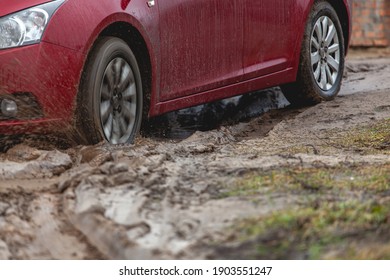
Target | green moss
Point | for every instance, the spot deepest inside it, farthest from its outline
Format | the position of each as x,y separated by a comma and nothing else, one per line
256,184
309,232
369,138
339,208
369,178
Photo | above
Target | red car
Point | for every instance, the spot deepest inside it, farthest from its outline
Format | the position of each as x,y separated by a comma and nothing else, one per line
101,66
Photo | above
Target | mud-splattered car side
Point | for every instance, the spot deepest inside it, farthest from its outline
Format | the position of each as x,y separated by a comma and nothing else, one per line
103,66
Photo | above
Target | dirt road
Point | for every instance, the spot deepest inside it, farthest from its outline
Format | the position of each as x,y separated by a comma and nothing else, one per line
307,183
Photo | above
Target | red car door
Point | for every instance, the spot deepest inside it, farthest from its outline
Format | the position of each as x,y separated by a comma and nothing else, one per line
201,45
271,30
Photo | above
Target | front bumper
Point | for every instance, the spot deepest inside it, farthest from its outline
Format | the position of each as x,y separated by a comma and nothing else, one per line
48,74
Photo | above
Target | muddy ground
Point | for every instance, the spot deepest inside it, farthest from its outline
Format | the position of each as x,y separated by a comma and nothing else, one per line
230,180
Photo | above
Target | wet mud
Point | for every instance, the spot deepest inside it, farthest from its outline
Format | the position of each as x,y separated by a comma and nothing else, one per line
169,195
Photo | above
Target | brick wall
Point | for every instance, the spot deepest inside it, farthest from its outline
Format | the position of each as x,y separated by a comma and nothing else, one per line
371,23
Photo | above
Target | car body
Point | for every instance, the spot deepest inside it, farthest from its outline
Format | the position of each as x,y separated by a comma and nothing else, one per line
189,52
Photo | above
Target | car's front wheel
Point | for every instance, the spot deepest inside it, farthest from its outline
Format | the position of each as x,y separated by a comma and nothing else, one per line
322,57
110,99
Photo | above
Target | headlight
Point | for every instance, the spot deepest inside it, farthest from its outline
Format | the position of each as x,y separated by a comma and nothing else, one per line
26,27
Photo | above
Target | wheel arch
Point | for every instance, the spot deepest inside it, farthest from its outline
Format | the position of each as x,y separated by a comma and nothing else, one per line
139,47
344,16
343,10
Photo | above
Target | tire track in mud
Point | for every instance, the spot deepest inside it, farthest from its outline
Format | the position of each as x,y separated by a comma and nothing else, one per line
32,226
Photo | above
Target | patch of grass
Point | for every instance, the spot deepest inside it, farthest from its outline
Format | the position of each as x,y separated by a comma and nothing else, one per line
360,250
257,184
370,178
340,208
376,137
311,232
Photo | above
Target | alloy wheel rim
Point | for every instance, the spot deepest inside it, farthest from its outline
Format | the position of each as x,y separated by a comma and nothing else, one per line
118,101
325,53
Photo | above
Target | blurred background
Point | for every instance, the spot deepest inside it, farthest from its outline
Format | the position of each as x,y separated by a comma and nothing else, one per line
371,23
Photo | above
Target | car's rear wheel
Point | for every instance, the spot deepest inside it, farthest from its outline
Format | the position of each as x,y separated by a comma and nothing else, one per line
322,58
110,98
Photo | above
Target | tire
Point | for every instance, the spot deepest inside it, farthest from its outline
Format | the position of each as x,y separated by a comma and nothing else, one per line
109,104
321,65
